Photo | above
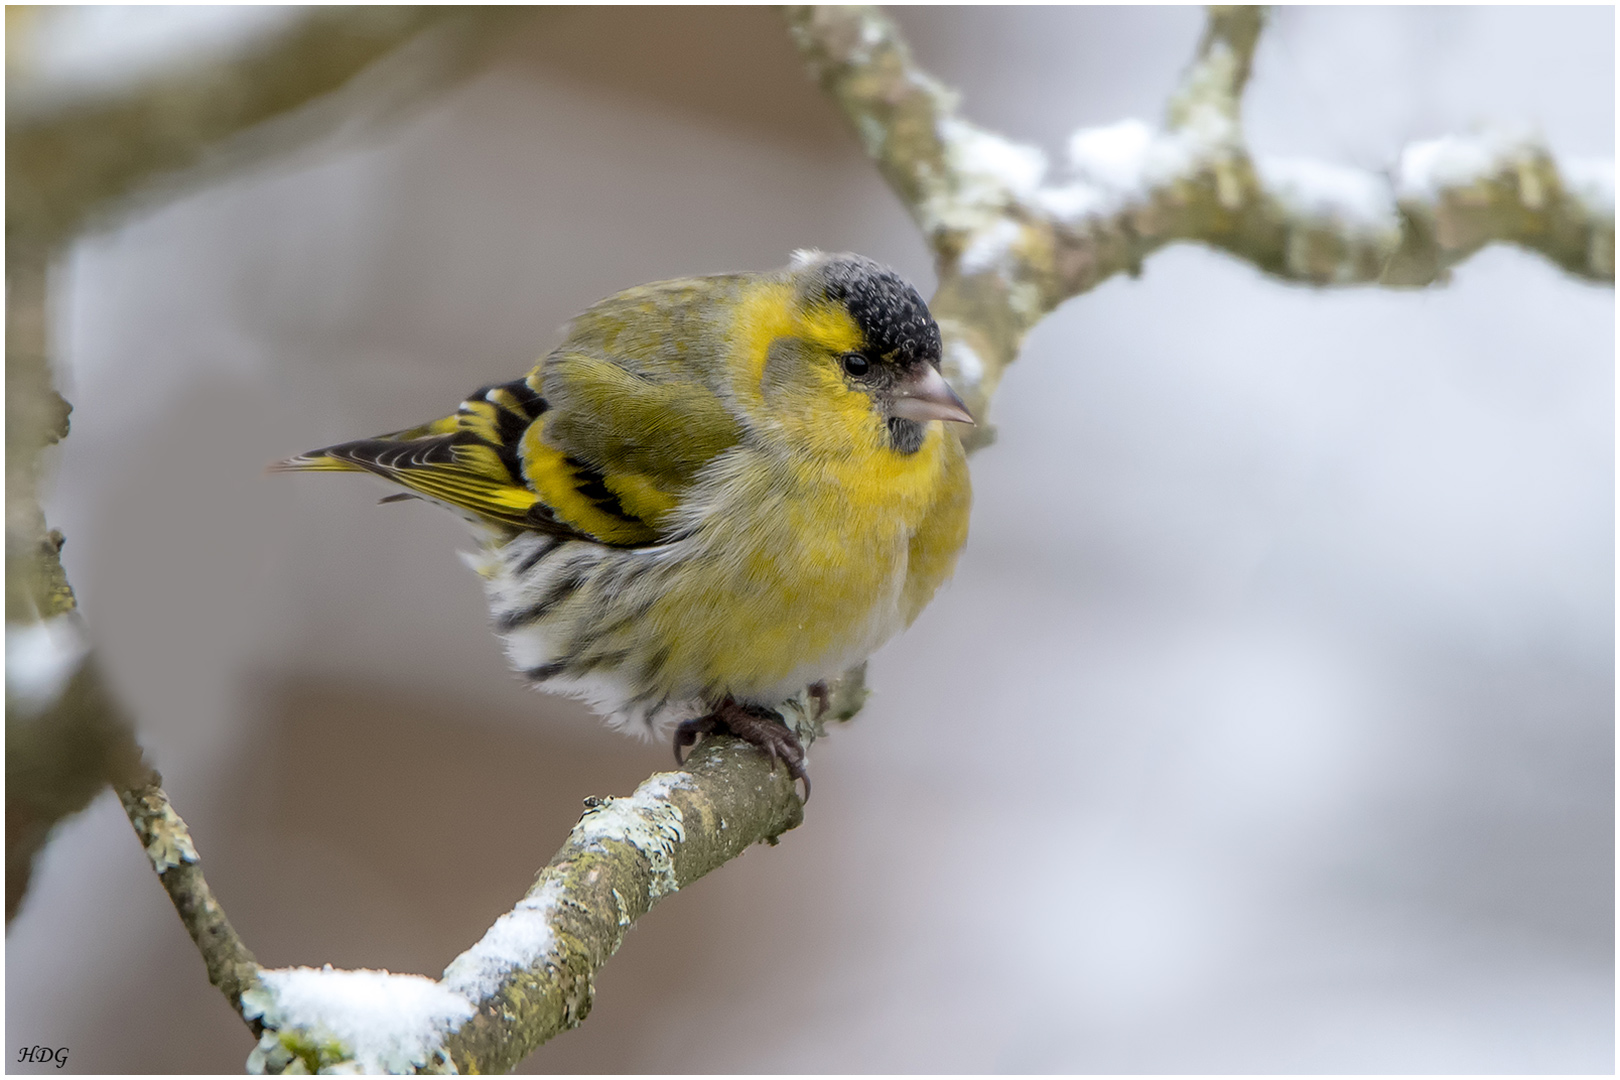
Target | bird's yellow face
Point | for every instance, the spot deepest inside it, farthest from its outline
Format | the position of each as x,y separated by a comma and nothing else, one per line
842,358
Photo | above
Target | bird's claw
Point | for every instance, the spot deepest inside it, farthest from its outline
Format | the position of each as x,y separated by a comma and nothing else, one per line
761,727
688,732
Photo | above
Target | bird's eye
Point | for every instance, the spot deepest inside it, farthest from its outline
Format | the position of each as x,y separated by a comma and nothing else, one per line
856,364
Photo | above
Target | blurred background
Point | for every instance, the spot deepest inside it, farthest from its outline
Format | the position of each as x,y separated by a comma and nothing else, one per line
1267,725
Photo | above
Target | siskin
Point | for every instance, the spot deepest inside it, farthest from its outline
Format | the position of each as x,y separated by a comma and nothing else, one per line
715,492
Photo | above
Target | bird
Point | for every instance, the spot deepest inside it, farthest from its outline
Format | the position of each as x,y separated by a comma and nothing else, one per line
716,492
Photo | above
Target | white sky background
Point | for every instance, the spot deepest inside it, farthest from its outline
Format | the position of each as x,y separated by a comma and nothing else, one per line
1266,727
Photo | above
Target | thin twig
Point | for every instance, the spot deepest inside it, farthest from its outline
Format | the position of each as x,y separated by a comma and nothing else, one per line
167,843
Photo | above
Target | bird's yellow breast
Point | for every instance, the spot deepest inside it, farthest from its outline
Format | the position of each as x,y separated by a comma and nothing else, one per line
803,562
808,566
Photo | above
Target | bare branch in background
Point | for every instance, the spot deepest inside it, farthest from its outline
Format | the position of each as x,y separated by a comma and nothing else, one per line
71,160
1012,245
65,737
71,157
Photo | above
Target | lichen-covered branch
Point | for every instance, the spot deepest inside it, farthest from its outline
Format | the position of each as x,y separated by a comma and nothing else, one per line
167,842
623,857
531,976
1012,244
536,964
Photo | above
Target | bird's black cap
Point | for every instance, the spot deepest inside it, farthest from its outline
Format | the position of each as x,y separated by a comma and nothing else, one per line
890,313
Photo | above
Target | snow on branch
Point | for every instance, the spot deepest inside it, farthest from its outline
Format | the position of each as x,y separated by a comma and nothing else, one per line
532,974
1012,243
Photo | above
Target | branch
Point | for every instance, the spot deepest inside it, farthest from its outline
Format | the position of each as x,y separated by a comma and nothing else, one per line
65,737
532,974
168,846
1011,246
68,161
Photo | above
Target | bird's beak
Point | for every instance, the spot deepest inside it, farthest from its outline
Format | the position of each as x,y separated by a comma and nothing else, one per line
927,396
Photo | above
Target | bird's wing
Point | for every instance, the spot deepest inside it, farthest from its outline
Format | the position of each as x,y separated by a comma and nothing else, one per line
467,461
632,408
600,442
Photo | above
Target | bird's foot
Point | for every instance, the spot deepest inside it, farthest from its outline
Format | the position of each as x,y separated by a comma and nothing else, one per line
752,724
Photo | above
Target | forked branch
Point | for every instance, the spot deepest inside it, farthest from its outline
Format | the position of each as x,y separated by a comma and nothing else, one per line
1012,244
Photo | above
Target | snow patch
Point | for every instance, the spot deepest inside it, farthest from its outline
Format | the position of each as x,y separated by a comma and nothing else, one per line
1129,160
1114,157
41,659
1591,180
988,165
966,362
1073,203
1313,189
1428,168
381,1022
518,940
989,246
